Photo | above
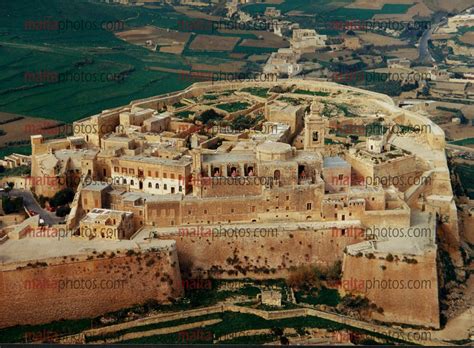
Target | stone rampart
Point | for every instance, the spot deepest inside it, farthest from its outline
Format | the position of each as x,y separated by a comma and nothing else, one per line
81,287
406,291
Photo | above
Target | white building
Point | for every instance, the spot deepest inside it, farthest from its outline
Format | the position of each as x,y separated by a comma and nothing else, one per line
283,62
307,40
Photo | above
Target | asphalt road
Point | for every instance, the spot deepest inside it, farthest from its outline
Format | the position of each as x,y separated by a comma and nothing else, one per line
424,51
31,204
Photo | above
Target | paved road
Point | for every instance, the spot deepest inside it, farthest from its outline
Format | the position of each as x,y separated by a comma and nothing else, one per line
31,204
424,51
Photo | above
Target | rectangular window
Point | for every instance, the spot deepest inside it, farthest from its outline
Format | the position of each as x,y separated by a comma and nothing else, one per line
308,206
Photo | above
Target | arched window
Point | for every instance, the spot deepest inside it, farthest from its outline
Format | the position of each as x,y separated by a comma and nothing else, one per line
276,175
157,186
131,182
149,185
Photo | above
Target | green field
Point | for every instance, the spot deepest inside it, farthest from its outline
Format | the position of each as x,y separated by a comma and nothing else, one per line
233,107
238,322
23,150
328,10
466,173
87,52
463,142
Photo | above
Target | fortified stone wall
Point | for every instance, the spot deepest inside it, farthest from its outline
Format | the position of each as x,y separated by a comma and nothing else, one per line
84,287
200,88
430,131
257,254
414,300
94,127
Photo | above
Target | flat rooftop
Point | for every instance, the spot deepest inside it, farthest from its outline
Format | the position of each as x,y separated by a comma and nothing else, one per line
332,162
183,161
39,248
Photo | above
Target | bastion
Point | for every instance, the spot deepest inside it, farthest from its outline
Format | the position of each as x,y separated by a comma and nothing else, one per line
45,279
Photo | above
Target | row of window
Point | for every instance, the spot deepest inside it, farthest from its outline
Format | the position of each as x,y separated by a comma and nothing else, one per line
165,186
131,171
150,185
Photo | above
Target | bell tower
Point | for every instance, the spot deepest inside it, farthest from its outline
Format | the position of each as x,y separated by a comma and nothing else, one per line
314,129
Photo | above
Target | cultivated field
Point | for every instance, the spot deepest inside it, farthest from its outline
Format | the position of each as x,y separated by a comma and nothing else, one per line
468,38
213,43
224,67
169,41
380,40
409,53
195,14
18,130
266,39
377,4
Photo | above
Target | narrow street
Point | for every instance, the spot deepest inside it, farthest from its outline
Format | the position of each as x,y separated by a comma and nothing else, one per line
31,204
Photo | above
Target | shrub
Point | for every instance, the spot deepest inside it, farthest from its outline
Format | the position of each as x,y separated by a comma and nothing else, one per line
209,115
63,211
12,205
62,197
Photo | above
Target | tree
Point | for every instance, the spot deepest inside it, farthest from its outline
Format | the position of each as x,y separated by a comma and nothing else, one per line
12,205
62,197
8,187
242,122
63,211
334,272
209,115
305,277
